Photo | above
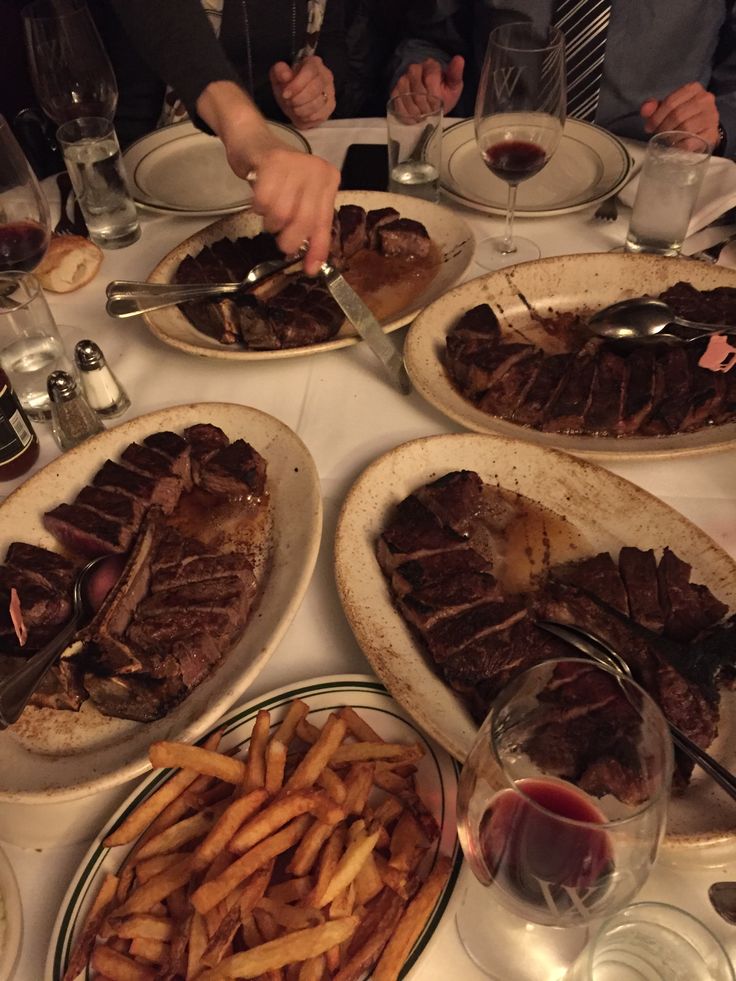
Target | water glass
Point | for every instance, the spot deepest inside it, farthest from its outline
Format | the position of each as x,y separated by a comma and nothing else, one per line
30,345
656,942
95,164
414,144
669,183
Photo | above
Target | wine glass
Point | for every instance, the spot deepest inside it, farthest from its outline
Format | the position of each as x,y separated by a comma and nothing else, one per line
519,115
561,808
24,211
71,72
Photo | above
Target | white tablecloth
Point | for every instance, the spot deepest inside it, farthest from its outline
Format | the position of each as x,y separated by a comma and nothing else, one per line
340,405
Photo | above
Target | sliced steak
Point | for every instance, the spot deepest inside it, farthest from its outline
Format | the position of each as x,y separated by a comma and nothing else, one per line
450,636
604,413
352,223
254,324
112,504
707,391
639,393
489,364
414,533
639,572
207,317
549,376
432,568
568,407
147,460
204,438
671,408
688,608
47,567
478,323
506,393
44,609
163,491
448,598
236,471
198,568
140,699
377,219
404,236
87,532
455,499
598,575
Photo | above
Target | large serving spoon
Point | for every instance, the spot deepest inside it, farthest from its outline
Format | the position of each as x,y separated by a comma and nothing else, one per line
91,587
643,316
598,650
723,898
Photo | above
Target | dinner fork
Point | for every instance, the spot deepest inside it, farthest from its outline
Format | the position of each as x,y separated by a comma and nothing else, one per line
66,225
598,650
607,210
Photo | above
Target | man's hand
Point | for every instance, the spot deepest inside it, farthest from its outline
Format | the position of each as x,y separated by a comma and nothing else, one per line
691,108
306,94
430,78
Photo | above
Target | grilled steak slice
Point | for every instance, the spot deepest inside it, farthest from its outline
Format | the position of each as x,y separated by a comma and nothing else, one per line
717,306
376,219
455,499
199,568
479,323
352,222
640,392
44,609
414,533
204,439
61,688
489,364
448,598
235,471
566,410
172,445
542,390
404,236
598,575
213,319
88,532
688,608
311,325
417,573
639,572
254,324
506,393
159,630
670,410
172,549
148,461
604,410
450,636
138,698
163,491
707,390
112,504
48,568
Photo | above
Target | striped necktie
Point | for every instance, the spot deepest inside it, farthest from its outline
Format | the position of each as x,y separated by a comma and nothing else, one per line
585,26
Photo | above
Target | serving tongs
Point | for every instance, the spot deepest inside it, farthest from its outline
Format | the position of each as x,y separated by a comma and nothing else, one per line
131,299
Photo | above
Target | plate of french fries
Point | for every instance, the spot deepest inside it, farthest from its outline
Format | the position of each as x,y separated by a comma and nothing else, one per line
310,836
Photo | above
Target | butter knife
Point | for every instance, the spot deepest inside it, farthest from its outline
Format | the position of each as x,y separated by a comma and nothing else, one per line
367,326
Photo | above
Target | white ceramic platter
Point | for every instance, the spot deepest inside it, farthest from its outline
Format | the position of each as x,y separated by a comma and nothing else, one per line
450,233
544,288
589,165
607,511
93,752
180,170
11,931
436,784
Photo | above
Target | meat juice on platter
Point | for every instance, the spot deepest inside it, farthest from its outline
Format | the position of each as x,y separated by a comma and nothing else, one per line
541,847
387,259
22,245
514,161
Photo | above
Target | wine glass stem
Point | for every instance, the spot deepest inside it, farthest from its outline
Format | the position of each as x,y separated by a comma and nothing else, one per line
507,245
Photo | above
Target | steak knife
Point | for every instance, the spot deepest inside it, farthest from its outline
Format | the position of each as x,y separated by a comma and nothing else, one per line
367,326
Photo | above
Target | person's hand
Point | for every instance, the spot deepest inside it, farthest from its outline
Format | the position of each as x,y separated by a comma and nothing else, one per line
306,94
430,78
691,108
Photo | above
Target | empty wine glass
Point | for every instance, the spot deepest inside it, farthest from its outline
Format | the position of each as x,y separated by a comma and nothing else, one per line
24,211
561,809
71,72
519,115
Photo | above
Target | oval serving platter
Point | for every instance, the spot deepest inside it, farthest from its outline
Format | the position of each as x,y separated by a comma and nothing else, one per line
606,510
450,233
51,756
544,288
436,778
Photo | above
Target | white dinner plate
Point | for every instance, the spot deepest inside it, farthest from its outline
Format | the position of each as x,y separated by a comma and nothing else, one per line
544,288
92,752
178,169
451,235
589,165
436,784
607,512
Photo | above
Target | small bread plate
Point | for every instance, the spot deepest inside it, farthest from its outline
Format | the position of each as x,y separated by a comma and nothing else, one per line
451,235
11,930
436,782
589,165
600,512
53,761
179,170
523,298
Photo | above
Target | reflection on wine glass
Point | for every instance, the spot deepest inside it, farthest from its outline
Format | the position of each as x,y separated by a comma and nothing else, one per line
561,808
519,115
71,72
24,212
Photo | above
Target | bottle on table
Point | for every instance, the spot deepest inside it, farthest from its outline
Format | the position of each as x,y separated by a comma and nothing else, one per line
18,441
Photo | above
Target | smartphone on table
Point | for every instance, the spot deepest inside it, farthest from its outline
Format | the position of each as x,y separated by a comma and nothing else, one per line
365,167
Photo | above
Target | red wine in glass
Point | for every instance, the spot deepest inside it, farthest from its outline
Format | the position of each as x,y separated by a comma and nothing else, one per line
22,245
514,161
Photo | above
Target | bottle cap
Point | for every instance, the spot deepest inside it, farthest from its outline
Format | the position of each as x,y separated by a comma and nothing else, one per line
88,355
61,386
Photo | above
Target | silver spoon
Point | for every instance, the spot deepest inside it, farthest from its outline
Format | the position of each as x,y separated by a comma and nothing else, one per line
642,317
18,688
723,899
598,650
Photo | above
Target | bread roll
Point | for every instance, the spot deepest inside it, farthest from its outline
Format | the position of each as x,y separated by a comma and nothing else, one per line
70,263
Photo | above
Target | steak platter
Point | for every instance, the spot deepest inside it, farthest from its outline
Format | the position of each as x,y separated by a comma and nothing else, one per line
592,386
376,250
444,554
188,515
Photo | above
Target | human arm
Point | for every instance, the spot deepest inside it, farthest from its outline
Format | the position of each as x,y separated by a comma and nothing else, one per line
691,108
305,94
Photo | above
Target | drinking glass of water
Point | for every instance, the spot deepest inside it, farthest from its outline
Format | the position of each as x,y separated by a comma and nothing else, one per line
415,144
669,183
95,164
30,345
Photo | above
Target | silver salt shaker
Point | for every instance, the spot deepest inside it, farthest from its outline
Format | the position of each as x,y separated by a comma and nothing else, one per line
72,418
103,391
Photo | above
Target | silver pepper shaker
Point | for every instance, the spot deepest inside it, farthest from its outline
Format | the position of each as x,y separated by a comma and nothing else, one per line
103,391
72,418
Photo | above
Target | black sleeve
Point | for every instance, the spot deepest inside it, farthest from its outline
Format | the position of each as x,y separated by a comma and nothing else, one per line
175,38
331,46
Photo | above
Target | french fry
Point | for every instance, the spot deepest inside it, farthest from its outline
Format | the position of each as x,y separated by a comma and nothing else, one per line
291,917
280,812
119,967
159,887
308,848
154,951
389,781
357,727
145,926
318,755
210,893
250,895
347,868
287,730
178,904
408,844
251,933
178,949
368,882
95,918
266,924
328,860
344,903
149,867
358,784
196,946
388,811
290,891
412,923
256,761
275,954
225,827
307,732
400,752
275,766
383,911
178,835
162,754
312,969
359,962
334,786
